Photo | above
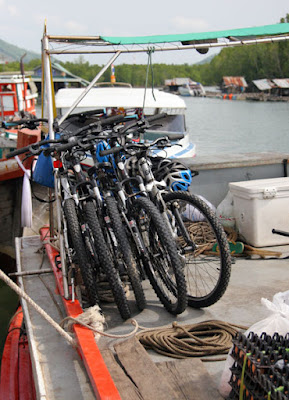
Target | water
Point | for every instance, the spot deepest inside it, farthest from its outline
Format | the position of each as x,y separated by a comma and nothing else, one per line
233,126
215,126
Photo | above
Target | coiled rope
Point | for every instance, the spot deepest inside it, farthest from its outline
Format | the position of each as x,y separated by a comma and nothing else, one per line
206,338
202,235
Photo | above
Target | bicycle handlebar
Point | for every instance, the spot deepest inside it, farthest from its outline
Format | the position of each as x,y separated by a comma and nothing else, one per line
34,148
141,122
117,149
101,123
29,123
62,147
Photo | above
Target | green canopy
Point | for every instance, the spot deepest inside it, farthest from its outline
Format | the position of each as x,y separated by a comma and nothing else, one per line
266,30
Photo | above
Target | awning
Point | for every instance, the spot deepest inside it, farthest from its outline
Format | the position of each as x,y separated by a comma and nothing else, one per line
265,30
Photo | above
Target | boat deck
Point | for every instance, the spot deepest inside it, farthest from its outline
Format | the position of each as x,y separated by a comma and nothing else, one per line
140,374
57,367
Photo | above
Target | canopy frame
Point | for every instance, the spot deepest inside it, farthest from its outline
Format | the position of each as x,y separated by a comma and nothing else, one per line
201,42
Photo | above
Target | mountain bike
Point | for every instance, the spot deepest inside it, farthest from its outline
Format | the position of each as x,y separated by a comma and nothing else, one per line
200,239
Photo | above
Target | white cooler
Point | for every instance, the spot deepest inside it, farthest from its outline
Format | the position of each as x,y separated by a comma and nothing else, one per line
259,206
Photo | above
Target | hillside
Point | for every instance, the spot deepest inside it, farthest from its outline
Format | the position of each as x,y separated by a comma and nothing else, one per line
10,52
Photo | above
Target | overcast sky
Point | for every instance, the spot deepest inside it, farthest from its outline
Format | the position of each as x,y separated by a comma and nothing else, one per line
22,22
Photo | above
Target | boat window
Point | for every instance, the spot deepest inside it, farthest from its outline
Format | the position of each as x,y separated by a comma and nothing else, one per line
170,124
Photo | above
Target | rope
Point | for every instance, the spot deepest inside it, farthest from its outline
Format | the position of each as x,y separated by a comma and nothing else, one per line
196,340
149,66
202,234
70,321
25,296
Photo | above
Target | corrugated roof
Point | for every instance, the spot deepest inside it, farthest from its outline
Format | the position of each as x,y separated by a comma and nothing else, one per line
263,84
282,83
237,81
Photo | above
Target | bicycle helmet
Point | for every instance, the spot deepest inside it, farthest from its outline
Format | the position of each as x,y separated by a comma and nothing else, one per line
176,175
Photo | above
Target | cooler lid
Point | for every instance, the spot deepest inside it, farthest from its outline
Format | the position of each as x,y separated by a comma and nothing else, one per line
259,185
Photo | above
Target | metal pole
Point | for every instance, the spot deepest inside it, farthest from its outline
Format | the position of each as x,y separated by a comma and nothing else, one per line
87,89
48,83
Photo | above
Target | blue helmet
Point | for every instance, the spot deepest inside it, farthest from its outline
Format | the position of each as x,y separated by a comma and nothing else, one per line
176,175
179,180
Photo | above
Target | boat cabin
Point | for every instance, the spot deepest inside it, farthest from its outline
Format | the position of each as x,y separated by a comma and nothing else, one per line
18,95
134,101
127,101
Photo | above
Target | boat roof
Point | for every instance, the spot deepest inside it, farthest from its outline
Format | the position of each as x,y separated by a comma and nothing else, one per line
275,29
202,41
119,97
197,40
14,79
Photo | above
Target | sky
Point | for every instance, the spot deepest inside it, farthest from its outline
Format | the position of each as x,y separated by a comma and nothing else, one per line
22,22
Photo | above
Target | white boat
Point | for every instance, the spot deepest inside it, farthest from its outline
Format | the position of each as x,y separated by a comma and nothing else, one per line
131,101
184,87
192,89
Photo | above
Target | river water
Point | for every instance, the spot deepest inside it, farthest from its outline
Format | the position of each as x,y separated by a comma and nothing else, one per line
233,126
215,126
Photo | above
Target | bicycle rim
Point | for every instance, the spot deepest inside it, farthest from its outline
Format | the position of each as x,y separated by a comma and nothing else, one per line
203,246
163,264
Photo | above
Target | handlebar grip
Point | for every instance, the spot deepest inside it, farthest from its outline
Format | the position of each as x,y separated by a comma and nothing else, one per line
58,149
115,119
156,117
175,136
86,113
30,123
113,150
18,151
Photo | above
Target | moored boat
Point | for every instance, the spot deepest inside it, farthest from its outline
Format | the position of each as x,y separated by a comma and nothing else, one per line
149,317
184,87
135,101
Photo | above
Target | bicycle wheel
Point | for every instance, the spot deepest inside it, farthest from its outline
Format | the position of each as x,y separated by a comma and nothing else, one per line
83,262
163,264
127,257
196,230
106,261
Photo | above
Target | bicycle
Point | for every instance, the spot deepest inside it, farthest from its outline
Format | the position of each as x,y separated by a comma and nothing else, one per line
76,211
207,271
151,241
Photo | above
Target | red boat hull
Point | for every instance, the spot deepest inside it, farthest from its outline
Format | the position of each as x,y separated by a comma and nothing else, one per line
16,372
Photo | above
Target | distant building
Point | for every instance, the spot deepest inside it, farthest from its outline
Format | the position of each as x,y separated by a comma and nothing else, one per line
277,87
62,78
233,84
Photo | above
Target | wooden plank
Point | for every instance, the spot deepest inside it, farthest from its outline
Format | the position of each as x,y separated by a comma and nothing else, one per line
151,383
126,388
190,379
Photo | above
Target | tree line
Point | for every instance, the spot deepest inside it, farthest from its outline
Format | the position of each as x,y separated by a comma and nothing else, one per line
253,62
